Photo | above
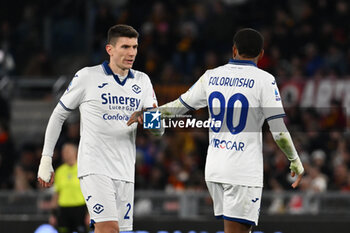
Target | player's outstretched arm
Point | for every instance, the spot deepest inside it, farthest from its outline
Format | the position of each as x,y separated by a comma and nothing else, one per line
45,172
136,117
284,141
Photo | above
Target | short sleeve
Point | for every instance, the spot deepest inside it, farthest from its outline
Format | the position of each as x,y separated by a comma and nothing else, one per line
149,96
195,98
271,100
75,93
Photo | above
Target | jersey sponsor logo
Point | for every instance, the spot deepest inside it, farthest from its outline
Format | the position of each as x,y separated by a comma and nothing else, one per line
102,85
88,198
98,208
255,200
120,102
136,89
227,144
117,117
151,120
231,82
274,82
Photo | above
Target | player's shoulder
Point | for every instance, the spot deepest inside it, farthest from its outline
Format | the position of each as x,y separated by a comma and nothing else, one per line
140,76
87,75
219,70
88,71
264,76
216,69
210,72
91,70
264,73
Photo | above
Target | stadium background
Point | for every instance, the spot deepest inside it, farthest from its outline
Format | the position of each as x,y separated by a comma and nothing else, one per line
43,43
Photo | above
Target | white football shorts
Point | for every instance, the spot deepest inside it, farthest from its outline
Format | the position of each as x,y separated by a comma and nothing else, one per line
109,200
236,202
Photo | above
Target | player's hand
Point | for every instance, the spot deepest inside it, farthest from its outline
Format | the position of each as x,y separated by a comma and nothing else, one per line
136,117
296,168
45,173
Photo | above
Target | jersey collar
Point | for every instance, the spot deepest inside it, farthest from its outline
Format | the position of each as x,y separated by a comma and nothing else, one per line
108,71
241,62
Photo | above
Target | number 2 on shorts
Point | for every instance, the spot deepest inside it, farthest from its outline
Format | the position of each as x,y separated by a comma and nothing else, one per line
126,216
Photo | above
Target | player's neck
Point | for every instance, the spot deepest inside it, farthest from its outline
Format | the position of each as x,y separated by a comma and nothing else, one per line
117,70
238,57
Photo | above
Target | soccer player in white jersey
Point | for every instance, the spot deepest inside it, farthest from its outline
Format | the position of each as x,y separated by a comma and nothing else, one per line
106,95
241,96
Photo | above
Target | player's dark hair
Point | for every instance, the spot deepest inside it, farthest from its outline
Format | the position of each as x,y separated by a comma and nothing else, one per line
121,30
249,42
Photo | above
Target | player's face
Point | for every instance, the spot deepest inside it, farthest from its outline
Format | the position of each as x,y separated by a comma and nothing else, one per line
123,52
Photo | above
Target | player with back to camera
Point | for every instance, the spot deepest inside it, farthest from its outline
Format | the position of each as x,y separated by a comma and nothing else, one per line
241,97
107,95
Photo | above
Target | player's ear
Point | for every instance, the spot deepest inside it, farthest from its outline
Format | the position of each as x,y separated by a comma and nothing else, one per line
261,54
109,48
234,51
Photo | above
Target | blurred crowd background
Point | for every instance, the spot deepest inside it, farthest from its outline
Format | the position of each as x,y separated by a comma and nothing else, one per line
305,40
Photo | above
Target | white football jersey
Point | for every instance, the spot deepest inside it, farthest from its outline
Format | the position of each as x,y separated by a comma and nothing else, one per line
107,144
240,96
